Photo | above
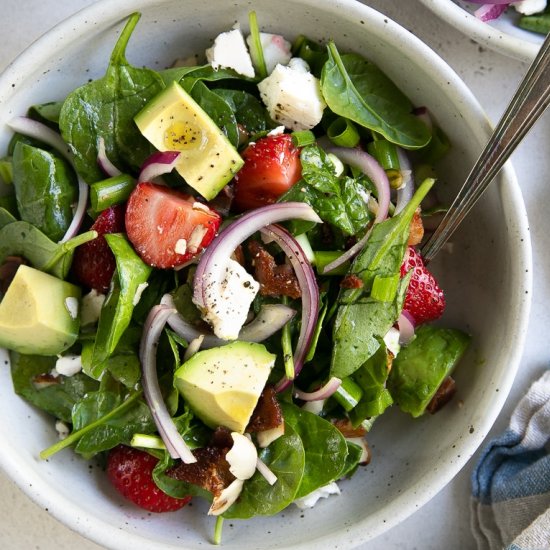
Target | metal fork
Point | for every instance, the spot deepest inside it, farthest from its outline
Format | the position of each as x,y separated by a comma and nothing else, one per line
527,105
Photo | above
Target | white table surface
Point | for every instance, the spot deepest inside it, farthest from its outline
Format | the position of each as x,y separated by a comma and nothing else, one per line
443,522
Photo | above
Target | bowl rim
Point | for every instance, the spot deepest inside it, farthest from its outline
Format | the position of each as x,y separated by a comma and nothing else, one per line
109,12
485,33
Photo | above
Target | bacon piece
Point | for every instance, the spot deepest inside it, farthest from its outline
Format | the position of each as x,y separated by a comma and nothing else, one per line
267,414
416,233
211,471
443,395
351,281
275,280
347,430
44,380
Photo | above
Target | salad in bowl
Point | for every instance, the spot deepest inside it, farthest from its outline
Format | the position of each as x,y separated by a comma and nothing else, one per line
211,273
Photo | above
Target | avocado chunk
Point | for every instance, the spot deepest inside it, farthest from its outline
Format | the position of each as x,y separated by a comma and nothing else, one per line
39,313
173,121
422,366
222,385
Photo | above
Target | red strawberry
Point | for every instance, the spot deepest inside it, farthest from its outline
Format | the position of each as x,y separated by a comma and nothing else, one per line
271,167
424,300
167,227
130,471
93,262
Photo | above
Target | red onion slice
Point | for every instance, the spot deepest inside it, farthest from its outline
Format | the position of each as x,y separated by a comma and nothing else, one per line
107,167
406,325
158,164
488,12
310,295
372,169
323,392
270,319
263,468
33,128
212,264
406,191
491,2
168,431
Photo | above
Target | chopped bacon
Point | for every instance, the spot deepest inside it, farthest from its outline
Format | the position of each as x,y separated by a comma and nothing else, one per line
351,281
416,233
275,280
267,414
44,380
211,471
442,396
346,428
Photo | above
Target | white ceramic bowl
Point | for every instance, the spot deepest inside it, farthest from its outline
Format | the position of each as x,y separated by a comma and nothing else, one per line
487,280
502,35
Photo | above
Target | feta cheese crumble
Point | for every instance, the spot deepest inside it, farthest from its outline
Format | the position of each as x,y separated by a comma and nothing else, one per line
69,365
275,48
229,51
90,307
309,501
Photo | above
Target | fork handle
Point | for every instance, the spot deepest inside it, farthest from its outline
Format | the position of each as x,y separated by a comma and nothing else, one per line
527,105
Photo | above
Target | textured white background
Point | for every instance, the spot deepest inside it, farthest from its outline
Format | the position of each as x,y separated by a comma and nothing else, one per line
444,522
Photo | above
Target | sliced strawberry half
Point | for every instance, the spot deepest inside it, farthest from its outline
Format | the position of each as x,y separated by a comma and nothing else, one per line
131,473
93,262
167,227
424,300
271,167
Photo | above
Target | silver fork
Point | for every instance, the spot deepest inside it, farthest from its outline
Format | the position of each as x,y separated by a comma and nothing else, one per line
527,105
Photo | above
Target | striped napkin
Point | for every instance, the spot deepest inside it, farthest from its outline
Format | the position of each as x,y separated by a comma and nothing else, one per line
510,506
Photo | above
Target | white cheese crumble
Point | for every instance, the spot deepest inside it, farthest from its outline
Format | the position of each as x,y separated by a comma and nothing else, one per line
181,246
196,237
277,131
226,304
292,96
242,457
226,498
90,307
275,48
71,303
529,7
309,501
68,365
229,52
391,339
139,291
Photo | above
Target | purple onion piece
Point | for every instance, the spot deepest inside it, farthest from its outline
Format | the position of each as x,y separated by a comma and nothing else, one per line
168,431
323,392
310,295
157,164
406,325
488,12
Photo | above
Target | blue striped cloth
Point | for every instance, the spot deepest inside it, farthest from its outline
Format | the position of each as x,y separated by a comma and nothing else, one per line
510,506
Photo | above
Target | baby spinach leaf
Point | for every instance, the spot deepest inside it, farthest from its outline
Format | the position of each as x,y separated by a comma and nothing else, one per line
361,321
324,445
116,313
48,113
45,188
358,90
285,457
106,108
57,398
352,459
110,429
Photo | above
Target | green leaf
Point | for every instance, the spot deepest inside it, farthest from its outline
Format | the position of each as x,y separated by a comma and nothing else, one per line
358,90
249,111
285,457
106,108
324,445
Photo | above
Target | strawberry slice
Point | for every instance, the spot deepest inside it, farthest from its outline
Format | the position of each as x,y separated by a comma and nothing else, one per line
167,227
271,167
93,262
424,300
130,471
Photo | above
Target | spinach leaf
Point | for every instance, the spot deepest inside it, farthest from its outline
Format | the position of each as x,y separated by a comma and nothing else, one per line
371,378
45,187
205,73
116,313
106,108
48,113
362,321
358,90
285,457
249,110
352,459
339,201
110,430
20,238
215,106
57,398
324,445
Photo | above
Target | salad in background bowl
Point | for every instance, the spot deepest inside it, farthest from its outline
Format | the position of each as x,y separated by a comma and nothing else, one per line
497,28
392,424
